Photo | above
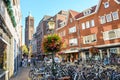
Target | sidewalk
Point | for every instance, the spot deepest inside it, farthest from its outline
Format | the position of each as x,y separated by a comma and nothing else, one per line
22,74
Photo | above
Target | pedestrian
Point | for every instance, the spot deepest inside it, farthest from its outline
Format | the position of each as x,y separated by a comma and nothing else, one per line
57,60
45,59
32,63
25,62
22,62
118,60
29,61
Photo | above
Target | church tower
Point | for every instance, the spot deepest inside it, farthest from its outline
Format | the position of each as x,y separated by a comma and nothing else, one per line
29,29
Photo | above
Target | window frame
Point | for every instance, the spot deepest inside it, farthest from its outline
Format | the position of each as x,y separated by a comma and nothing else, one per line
87,24
83,26
102,20
73,41
115,15
108,18
72,29
93,38
106,4
92,23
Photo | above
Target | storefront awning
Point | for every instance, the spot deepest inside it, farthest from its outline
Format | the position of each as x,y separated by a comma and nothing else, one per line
71,51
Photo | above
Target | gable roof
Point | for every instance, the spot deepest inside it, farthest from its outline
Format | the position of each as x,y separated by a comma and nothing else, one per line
117,1
73,13
81,14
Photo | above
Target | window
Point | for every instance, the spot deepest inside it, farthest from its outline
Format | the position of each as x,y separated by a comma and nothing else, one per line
115,15
72,29
71,20
111,34
73,42
108,18
92,23
62,24
83,25
106,4
14,2
89,39
87,12
102,20
31,22
87,24
62,33
118,33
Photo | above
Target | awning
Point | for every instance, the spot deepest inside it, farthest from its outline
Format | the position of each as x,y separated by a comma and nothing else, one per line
71,51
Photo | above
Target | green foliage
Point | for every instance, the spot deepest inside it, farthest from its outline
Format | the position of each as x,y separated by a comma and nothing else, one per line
25,49
10,12
51,43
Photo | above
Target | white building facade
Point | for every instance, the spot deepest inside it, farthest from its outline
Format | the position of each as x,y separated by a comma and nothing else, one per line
10,15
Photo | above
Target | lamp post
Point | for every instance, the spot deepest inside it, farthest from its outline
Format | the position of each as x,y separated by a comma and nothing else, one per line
51,26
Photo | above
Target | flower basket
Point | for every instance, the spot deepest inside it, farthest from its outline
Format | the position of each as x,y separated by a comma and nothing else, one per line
51,43
94,50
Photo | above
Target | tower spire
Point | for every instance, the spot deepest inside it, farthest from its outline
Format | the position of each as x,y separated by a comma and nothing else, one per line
30,13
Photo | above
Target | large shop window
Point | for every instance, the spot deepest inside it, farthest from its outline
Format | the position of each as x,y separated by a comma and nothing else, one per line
3,55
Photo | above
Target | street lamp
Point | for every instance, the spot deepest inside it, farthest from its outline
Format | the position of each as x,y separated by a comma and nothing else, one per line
51,27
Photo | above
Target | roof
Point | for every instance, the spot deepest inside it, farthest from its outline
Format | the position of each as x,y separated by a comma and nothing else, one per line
73,13
81,14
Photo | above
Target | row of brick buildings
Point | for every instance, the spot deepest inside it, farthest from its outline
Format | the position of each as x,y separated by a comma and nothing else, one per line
97,26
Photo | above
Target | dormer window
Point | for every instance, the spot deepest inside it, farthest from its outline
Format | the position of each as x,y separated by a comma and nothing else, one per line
87,12
106,4
117,1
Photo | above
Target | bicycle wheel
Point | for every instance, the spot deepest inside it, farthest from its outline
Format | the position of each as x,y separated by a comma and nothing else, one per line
30,74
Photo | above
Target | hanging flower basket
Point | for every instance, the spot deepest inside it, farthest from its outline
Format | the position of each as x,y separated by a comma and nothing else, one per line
94,50
52,43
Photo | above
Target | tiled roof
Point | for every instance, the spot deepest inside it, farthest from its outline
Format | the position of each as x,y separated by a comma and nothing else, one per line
73,13
118,0
80,15
60,18
46,17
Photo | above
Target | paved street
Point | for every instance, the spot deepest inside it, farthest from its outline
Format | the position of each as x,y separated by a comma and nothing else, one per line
22,74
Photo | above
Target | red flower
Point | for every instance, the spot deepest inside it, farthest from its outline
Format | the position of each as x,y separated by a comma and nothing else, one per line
52,43
94,50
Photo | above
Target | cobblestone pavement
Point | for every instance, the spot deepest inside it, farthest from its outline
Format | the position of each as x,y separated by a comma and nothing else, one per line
22,74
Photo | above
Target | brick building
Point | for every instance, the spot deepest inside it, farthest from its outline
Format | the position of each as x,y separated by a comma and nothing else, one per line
96,26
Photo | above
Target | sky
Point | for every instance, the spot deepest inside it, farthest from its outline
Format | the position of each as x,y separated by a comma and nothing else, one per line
40,8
